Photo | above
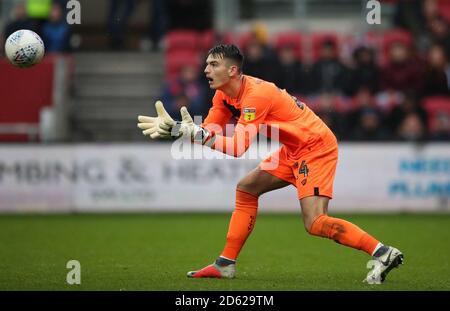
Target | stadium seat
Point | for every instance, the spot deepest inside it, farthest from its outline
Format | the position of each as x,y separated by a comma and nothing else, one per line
240,39
182,40
206,40
177,59
20,114
227,37
293,39
444,9
434,106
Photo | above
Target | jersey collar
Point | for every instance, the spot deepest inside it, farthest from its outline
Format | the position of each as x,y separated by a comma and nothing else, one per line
241,89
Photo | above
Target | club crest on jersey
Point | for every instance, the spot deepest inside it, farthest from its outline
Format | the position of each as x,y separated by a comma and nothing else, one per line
249,114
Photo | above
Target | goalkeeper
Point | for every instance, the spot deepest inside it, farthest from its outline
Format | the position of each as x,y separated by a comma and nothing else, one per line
307,159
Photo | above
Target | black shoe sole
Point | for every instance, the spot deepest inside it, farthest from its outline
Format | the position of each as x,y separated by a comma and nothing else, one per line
394,264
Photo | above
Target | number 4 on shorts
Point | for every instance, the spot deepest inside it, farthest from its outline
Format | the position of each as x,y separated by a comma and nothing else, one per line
303,169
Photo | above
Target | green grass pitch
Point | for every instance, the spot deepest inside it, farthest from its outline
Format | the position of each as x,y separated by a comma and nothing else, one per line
154,252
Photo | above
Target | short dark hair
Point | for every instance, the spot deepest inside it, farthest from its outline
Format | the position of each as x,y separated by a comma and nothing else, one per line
229,51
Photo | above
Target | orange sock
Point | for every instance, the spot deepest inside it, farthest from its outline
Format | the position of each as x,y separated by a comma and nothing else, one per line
343,232
241,223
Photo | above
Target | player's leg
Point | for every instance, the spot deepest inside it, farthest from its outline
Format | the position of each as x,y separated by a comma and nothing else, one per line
317,222
315,177
243,218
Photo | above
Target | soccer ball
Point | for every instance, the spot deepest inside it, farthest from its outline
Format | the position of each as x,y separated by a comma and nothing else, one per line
24,48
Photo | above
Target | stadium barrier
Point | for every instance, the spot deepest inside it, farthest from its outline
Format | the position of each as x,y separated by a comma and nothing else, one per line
144,177
34,102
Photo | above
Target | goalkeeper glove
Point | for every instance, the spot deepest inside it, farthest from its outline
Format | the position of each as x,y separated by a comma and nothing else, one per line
195,133
164,127
151,125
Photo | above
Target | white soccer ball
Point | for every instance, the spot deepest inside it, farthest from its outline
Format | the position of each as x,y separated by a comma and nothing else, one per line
24,48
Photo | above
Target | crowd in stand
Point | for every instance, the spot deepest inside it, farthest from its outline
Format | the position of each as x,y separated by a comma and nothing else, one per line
365,91
399,91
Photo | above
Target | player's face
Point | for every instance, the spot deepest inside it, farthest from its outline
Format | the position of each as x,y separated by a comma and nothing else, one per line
217,71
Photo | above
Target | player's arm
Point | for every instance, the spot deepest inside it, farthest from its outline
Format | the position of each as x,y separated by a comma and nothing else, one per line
254,112
246,130
163,126
218,116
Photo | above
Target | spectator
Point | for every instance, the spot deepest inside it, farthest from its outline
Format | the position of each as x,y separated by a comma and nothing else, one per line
409,14
440,33
441,128
260,34
38,11
365,73
158,22
328,72
402,72
437,74
369,126
20,20
56,32
119,14
415,15
260,56
362,118
409,105
290,71
187,89
257,63
430,9
327,110
411,129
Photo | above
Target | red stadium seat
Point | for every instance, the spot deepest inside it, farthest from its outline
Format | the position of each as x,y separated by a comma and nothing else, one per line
206,40
177,59
23,95
239,39
227,38
397,35
444,9
293,39
434,106
182,40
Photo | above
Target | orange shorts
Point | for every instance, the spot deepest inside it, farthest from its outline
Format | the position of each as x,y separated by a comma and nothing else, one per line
311,173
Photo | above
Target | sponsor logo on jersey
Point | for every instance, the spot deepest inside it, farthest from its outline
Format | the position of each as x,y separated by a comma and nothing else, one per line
249,114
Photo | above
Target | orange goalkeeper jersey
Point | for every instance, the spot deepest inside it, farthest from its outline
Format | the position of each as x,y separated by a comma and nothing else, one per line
262,103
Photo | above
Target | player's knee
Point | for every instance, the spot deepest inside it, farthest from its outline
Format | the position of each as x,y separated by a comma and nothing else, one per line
248,185
308,226
308,221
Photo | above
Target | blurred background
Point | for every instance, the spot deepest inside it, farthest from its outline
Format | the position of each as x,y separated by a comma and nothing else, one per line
382,88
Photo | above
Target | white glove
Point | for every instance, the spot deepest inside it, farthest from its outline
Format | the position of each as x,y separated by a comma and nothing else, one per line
164,127
152,125
188,128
